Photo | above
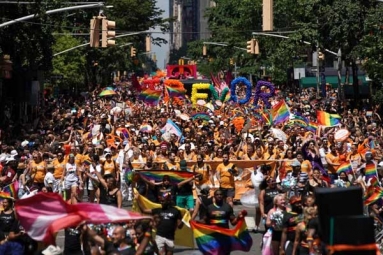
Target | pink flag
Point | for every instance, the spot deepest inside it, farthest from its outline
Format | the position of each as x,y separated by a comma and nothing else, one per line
45,214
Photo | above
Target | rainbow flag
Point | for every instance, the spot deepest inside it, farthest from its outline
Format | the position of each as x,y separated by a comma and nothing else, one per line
266,117
280,112
10,190
370,171
312,126
201,115
176,92
374,182
345,167
213,240
327,119
298,122
157,175
150,96
378,193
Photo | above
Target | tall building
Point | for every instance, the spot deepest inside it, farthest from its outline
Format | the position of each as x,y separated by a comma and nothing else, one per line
190,23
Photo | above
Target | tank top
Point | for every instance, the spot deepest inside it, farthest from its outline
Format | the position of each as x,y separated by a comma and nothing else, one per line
109,167
204,171
71,172
6,221
268,199
39,171
106,198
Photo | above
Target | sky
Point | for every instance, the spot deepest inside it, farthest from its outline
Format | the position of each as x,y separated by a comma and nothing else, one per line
161,52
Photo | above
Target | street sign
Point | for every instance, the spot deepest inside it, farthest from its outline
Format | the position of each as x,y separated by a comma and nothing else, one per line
57,77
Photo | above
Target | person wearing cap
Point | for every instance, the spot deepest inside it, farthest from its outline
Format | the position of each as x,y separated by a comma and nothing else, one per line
49,179
110,166
8,173
202,202
290,221
225,174
168,217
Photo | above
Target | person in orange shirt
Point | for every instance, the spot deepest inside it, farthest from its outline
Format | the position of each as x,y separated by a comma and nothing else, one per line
59,165
225,173
306,166
110,166
171,164
333,164
38,169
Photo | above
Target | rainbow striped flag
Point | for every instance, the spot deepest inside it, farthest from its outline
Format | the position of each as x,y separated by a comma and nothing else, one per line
280,112
345,167
157,175
150,96
378,193
213,240
10,191
201,115
312,126
370,171
266,117
176,92
374,182
327,119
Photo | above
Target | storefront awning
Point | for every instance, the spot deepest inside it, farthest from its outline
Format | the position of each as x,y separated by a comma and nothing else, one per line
308,82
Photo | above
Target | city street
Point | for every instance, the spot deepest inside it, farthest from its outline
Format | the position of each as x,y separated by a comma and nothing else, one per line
255,249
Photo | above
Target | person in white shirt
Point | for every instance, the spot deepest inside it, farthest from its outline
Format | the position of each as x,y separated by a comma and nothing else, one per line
50,180
257,177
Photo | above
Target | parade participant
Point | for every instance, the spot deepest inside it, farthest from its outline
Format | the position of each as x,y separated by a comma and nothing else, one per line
184,194
171,163
38,171
169,219
146,245
205,172
302,238
92,180
111,167
117,245
108,193
317,180
274,221
257,178
220,213
16,240
7,220
8,173
202,203
72,178
266,196
59,165
290,221
225,173
333,163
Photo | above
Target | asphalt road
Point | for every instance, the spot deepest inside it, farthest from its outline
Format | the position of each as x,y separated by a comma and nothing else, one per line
255,249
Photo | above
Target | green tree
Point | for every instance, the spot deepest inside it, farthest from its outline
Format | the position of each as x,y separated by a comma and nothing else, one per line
70,64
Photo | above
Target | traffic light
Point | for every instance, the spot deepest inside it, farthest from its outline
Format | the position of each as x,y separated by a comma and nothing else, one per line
94,32
204,51
181,62
320,56
252,47
133,52
148,43
267,15
231,61
107,34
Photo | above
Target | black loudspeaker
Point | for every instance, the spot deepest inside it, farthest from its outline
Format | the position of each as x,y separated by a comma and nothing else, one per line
337,202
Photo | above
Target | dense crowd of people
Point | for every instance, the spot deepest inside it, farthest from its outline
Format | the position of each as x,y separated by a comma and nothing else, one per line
91,148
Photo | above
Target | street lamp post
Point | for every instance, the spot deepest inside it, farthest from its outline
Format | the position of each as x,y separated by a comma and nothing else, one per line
87,6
